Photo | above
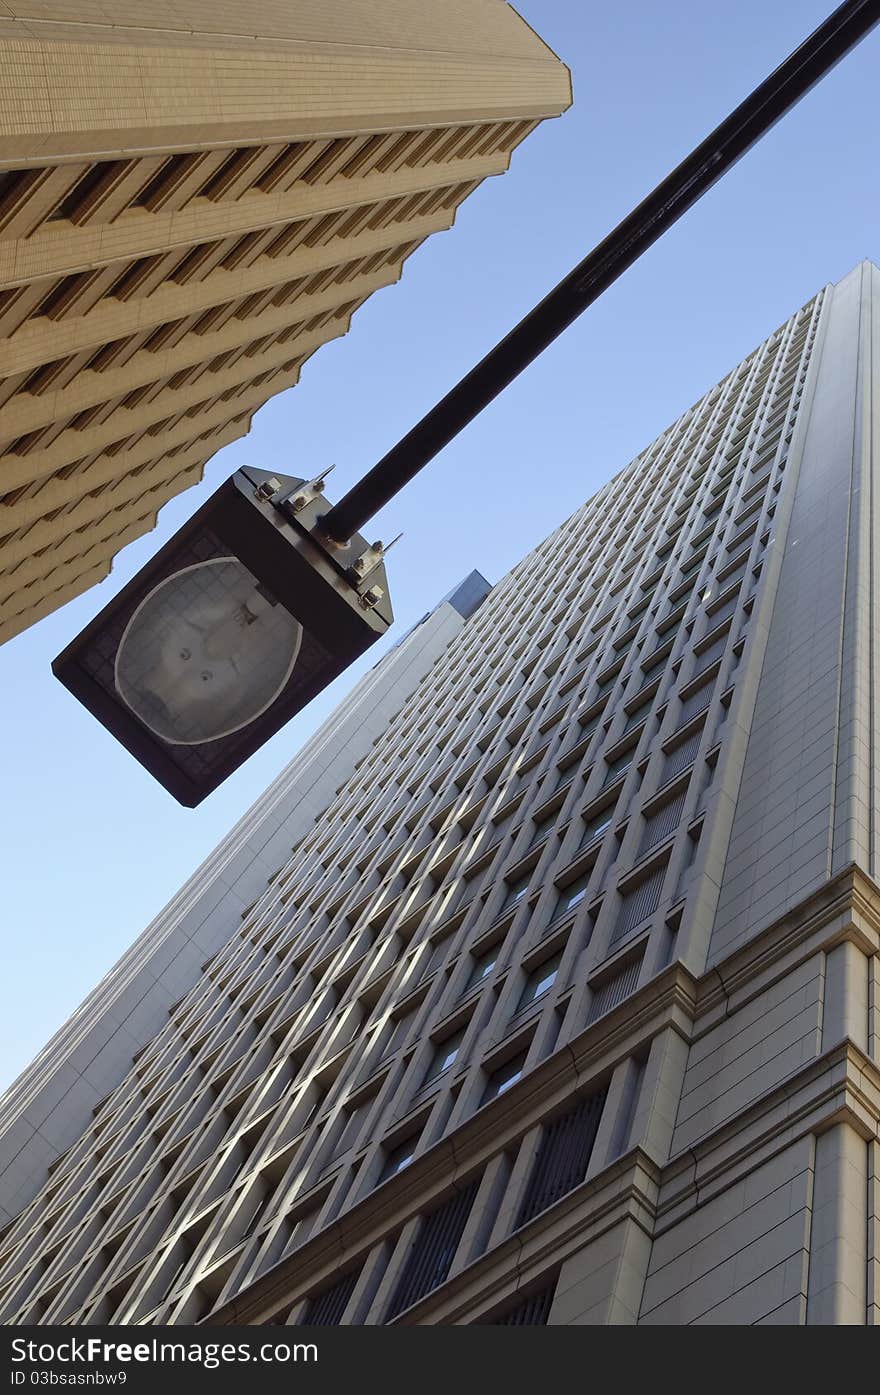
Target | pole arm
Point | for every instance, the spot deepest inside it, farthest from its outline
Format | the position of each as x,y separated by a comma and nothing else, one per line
678,192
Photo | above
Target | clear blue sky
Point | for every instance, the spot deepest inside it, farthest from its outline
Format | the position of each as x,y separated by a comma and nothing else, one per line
91,847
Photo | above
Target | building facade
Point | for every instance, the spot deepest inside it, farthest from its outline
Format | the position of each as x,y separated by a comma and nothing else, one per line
193,198
49,1105
566,1011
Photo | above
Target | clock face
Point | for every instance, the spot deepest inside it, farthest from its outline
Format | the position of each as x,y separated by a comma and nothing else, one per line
205,653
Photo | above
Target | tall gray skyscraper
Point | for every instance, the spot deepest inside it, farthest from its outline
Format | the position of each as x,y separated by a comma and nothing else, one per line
566,1009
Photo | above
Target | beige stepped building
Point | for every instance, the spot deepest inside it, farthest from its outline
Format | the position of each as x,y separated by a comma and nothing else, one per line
193,198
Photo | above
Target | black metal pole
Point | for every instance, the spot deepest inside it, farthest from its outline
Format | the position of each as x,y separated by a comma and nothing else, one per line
775,96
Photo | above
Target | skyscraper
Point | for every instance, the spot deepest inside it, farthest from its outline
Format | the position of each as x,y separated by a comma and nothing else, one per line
566,1010
193,199
52,1101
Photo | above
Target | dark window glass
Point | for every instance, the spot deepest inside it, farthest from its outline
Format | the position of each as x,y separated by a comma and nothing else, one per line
571,896
503,1077
399,1157
539,981
482,969
444,1055
516,891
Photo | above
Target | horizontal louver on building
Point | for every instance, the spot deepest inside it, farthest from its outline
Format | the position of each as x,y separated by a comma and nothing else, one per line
563,1156
662,822
609,994
638,903
706,657
696,702
724,611
326,1309
529,1312
434,1249
681,756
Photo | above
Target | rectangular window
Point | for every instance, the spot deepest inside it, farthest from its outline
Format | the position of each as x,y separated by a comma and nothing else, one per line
88,189
353,1124
616,767
638,714
503,1077
539,982
516,891
482,969
691,565
571,896
696,702
436,954
399,1029
723,611
595,826
430,1258
541,830
254,1209
564,775
707,657
399,1157
608,679
589,726
563,1156
652,661
444,1055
